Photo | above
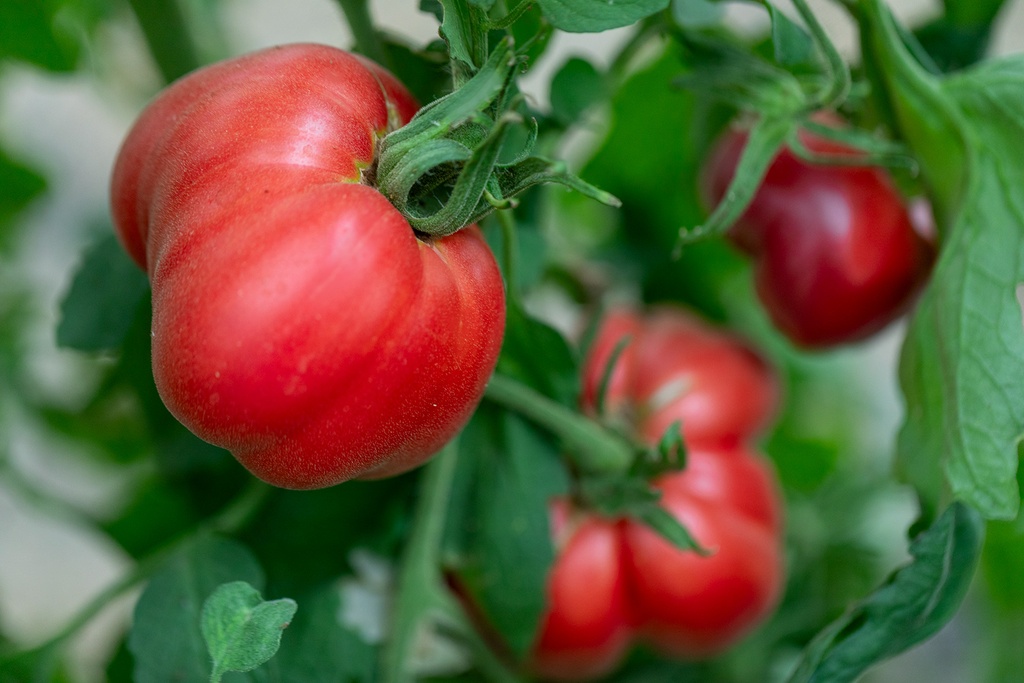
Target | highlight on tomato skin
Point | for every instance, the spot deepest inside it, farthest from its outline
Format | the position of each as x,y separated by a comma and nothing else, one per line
298,321
616,581
836,255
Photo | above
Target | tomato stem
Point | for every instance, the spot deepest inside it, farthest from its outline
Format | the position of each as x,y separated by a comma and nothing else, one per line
367,40
593,448
168,36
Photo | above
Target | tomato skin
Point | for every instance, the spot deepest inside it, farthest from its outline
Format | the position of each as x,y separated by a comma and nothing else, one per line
616,581
836,255
676,367
588,627
297,319
692,606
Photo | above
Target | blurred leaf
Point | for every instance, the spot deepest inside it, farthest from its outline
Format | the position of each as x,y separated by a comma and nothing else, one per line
588,16
19,185
575,88
1002,565
961,363
291,524
100,306
698,13
532,34
961,36
921,598
155,515
242,630
28,32
318,648
508,474
538,355
792,44
165,639
425,72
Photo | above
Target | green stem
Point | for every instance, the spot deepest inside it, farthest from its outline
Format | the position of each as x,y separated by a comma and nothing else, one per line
168,35
368,42
593,448
839,85
423,596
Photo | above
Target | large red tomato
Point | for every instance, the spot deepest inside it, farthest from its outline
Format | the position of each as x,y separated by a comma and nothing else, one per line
616,580
836,255
298,320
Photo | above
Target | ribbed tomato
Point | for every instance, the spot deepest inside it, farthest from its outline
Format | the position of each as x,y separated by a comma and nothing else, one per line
298,320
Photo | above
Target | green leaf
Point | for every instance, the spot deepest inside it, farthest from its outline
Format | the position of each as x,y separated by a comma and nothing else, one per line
590,16
99,308
965,347
508,473
792,45
19,185
1002,565
165,638
463,30
576,87
241,629
961,365
28,32
920,599
698,13
961,36
538,355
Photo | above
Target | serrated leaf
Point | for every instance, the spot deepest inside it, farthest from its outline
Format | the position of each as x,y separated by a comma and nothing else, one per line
165,638
99,308
961,365
590,16
920,599
575,87
241,630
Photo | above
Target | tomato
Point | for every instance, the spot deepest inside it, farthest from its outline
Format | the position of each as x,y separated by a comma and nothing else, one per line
615,580
836,255
675,367
589,632
298,320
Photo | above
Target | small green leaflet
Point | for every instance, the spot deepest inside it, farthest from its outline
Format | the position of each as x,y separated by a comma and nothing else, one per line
920,599
165,639
241,630
592,16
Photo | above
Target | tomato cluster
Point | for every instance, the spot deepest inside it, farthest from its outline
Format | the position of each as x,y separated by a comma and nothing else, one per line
836,255
615,579
298,320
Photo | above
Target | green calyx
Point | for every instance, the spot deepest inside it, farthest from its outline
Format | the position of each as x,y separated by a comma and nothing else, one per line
444,169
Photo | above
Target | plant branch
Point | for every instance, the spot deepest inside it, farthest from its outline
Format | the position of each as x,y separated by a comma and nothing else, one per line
168,36
367,40
593,448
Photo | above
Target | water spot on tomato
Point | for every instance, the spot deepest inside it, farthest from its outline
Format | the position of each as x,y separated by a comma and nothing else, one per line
214,399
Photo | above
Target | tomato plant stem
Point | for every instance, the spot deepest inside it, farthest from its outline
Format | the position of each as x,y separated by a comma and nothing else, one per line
167,33
367,40
591,446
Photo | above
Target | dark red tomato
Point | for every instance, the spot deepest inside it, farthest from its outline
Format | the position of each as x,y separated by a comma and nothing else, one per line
836,254
587,628
298,320
677,368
